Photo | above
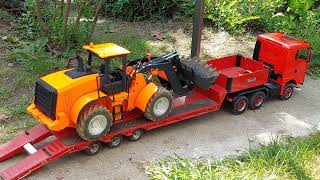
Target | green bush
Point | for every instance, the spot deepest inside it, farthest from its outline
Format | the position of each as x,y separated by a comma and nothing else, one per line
232,15
136,10
53,18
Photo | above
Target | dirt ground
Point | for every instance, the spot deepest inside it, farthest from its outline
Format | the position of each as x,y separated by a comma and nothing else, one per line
215,135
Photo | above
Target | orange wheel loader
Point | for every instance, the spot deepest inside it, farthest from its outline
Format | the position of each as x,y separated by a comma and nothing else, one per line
92,101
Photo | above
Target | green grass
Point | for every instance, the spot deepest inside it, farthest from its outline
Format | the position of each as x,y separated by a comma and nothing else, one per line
291,159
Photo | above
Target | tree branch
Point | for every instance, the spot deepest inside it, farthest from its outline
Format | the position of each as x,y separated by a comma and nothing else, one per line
65,23
44,28
96,16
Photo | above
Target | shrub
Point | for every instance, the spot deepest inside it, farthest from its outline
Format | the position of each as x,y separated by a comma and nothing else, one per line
136,10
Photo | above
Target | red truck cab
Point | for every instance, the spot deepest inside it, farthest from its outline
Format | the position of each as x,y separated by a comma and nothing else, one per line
287,57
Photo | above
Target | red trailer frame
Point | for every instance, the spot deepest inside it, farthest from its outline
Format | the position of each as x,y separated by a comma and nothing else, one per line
67,141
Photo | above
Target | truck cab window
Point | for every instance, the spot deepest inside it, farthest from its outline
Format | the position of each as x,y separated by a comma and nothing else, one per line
304,53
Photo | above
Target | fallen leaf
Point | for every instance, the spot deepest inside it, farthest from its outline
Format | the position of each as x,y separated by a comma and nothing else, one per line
10,38
158,35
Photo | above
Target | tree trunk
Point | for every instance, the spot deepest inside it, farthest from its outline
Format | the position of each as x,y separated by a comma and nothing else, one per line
65,23
96,16
80,9
44,28
62,7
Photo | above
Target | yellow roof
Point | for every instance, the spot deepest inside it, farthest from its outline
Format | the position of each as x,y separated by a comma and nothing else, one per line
107,50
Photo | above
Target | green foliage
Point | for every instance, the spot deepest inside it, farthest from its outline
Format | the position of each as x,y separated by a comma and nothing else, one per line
35,60
27,25
233,15
53,17
301,6
294,159
135,10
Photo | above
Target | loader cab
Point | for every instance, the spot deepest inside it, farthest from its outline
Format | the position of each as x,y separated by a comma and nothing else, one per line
287,57
114,80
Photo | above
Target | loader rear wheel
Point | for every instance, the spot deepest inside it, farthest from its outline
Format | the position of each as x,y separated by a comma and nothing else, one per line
240,105
94,123
257,100
159,105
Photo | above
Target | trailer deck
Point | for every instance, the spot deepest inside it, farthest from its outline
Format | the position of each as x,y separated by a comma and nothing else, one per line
67,141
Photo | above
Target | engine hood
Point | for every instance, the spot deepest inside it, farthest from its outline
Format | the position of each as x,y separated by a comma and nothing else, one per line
62,82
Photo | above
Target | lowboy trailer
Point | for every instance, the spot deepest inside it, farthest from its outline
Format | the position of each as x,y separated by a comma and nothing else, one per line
279,65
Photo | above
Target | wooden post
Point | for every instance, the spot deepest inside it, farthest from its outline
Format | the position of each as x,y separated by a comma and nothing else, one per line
197,29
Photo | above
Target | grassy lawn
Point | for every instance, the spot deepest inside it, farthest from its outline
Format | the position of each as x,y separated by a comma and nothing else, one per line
290,159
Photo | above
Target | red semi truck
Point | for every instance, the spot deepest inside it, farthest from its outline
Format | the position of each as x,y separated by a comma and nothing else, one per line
278,65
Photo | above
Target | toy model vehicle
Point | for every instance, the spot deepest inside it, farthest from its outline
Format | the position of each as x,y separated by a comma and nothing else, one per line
108,105
92,101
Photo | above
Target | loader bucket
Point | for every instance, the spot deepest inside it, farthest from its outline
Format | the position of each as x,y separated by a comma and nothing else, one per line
199,72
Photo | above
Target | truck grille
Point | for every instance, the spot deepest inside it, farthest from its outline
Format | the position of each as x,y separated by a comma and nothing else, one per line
46,98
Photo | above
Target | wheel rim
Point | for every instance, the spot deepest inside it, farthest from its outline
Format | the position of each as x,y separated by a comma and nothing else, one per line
116,141
241,105
258,101
136,134
97,125
161,106
288,93
94,148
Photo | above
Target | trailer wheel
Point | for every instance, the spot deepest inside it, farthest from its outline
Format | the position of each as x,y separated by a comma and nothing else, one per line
159,105
136,135
94,123
257,100
240,105
93,149
288,92
115,141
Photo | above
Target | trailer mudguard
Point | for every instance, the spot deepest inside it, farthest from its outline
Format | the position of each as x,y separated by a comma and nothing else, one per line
82,102
145,95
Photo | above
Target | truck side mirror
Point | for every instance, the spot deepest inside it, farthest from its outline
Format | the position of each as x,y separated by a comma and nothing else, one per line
310,55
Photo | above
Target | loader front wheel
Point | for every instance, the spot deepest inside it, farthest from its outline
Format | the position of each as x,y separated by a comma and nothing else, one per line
94,123
159,105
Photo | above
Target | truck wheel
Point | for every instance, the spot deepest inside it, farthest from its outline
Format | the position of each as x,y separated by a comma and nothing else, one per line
136,135
288,92
257,100
94,123
115,141
93,149
159,105
240,105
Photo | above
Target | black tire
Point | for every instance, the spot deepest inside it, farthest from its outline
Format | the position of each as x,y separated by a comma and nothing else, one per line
87,120
93,149
164,95
288,92
115,141
136,135
257,100
240,105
